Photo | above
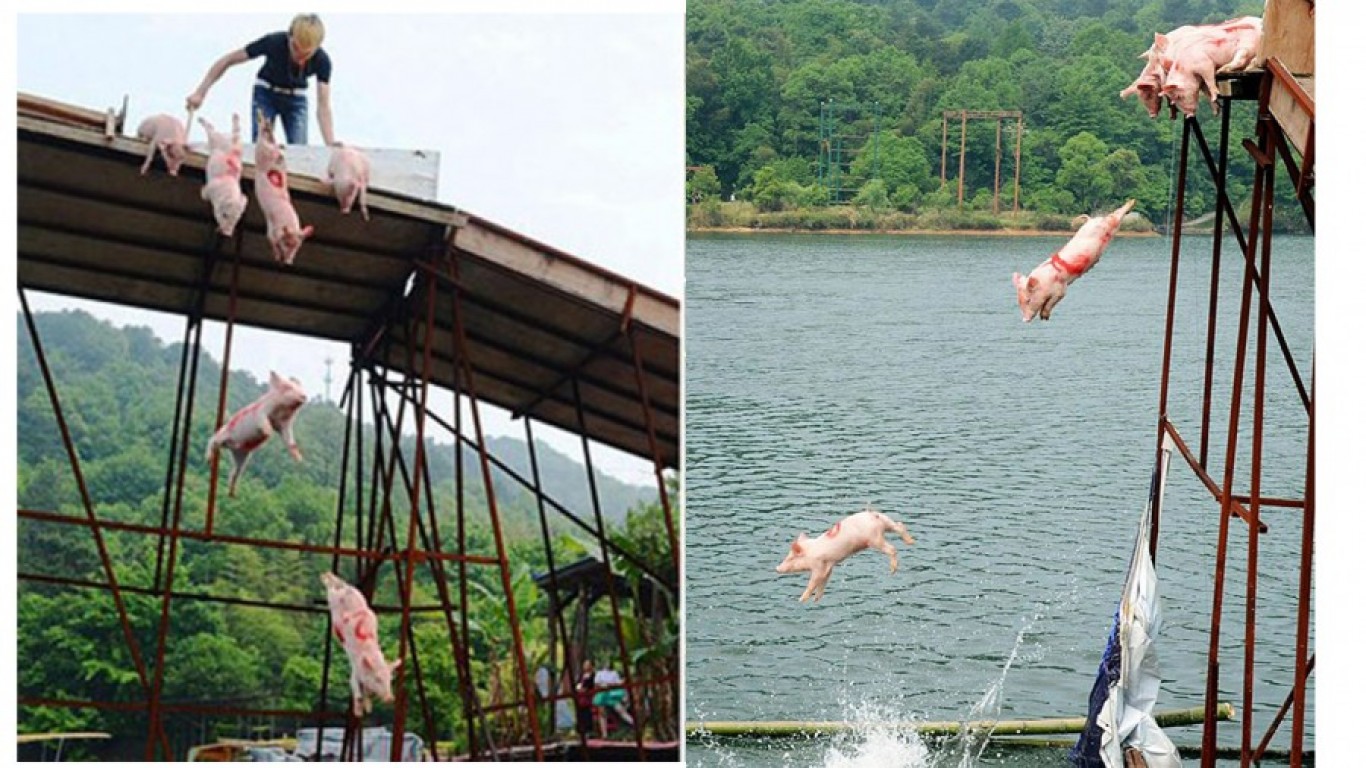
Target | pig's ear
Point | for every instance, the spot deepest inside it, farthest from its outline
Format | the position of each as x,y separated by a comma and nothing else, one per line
1032,284
797,547
1159,40
275,379
393,665
367,663
1015,279
1168,88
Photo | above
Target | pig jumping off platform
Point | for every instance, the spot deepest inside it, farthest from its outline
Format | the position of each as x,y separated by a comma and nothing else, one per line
272,194
355,627
223,176
1047,284
348,171
251,427
855,533
165,133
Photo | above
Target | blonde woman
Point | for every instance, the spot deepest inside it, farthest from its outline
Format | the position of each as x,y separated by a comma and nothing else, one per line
282,82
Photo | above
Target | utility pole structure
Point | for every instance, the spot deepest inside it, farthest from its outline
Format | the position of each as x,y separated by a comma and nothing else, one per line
963,116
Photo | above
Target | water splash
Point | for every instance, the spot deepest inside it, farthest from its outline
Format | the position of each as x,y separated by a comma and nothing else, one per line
874,744
987,710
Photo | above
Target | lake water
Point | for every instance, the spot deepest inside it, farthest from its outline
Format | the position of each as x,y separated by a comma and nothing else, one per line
826,372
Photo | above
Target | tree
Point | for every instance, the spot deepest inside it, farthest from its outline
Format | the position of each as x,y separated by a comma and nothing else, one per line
1083,171
703,185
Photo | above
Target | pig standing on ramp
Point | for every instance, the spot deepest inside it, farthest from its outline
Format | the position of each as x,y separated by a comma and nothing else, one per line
165,133
855,533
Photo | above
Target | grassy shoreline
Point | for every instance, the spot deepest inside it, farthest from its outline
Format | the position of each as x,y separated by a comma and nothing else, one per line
900,232
744,217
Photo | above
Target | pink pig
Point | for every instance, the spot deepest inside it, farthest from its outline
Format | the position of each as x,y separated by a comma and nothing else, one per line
855,533
223,176
349,172
1148,84
167,134
252,426
356,628
1048,282
1192,60
272,192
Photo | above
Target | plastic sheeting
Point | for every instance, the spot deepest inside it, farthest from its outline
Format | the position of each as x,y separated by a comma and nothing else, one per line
1129,680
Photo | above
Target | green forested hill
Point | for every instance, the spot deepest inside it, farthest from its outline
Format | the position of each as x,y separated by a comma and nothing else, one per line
759,71
117,390
118,394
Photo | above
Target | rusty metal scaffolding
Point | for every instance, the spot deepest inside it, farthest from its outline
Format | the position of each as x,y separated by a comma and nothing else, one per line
394,367
1255,246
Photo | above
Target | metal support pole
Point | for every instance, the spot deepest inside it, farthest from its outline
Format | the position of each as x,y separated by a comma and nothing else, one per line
1167,337
1268,129
125,623
996,186
520,656
944,152
223,387
1019,135
557,627
1221,189
611,578
1209,739
962,157
414,494
1304,662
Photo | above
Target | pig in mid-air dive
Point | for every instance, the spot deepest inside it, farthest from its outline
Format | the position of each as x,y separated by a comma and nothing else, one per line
348,170
165,133
223,176
272,193
356,628
1045,286
252,426
855,533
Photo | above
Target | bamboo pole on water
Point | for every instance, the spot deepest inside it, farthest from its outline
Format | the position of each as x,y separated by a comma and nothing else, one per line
1167,719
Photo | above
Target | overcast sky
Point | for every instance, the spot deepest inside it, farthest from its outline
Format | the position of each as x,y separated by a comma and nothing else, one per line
564,126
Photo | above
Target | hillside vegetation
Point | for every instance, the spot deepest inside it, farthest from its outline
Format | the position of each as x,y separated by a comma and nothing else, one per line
117,390
782,96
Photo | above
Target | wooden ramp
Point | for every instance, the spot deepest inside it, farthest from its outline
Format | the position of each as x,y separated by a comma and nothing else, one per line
537,319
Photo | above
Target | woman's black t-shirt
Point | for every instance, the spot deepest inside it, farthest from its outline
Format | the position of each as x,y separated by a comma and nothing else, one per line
280,70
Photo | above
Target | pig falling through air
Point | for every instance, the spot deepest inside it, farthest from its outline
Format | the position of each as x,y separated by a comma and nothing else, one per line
165,133
223,176
252,426
1047,284
355,626
855,533
272,194
348,170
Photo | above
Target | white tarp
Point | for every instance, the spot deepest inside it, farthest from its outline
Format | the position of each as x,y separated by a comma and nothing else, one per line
1126,718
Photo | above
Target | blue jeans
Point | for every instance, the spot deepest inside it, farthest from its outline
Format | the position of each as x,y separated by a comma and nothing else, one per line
292,110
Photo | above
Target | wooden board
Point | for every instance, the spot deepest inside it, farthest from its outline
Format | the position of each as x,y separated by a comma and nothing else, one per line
1288,34
1296,122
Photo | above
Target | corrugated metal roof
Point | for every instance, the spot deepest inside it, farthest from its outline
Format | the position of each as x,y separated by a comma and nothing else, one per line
535,318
